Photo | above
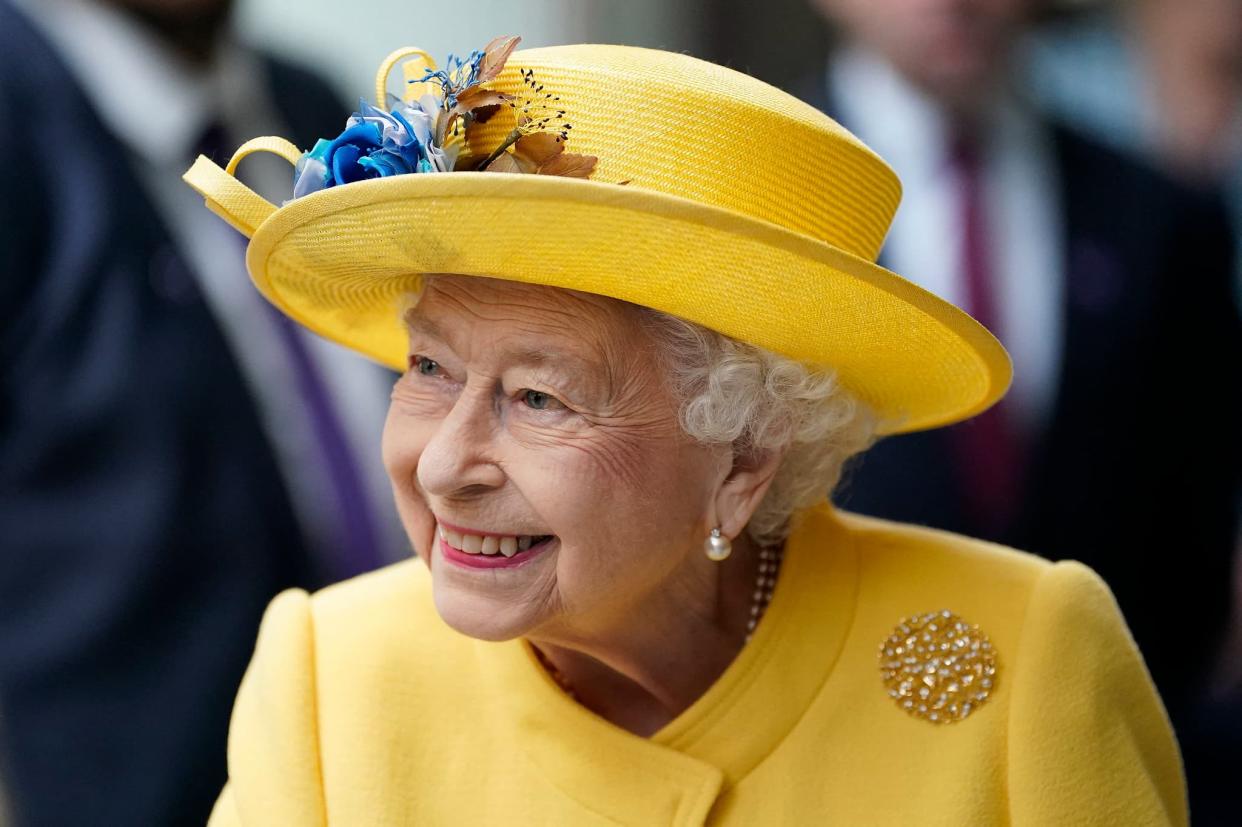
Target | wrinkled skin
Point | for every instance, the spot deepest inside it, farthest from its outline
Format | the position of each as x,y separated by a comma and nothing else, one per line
596,457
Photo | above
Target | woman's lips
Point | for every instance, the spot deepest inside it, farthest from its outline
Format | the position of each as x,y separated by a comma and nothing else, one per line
489,550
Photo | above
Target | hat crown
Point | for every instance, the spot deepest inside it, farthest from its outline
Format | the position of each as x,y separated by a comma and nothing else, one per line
743,210
678,125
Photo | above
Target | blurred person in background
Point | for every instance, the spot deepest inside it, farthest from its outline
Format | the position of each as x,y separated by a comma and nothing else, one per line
149,508
1162,80
1108,283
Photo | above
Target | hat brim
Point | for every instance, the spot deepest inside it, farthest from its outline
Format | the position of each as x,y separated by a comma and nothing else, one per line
340,261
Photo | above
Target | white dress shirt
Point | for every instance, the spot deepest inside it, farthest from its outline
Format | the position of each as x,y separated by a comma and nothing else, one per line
159,105
1022,204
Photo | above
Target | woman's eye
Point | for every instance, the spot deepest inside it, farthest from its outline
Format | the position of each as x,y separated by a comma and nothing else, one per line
540,401
425,366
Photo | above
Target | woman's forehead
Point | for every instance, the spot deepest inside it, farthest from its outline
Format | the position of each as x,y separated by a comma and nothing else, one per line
539,323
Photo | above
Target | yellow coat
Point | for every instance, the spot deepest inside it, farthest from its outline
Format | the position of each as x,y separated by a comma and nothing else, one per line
362,708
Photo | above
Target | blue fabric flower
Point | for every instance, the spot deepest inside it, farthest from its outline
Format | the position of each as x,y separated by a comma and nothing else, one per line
408,137
375,144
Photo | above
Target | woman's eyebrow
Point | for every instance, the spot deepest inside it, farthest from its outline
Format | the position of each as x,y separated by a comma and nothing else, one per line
418,323
543,357
572,363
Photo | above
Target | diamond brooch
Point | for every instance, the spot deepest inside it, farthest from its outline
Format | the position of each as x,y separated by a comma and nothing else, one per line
938,667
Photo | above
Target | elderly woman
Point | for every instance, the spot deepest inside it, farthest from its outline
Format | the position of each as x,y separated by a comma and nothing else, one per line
634,299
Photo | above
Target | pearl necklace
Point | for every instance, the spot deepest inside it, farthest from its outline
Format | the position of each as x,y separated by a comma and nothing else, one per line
765,583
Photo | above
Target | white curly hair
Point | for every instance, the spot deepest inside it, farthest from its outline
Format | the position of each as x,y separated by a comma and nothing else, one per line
763,403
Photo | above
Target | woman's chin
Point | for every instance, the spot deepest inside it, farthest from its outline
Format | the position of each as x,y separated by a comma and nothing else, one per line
486,599
478,616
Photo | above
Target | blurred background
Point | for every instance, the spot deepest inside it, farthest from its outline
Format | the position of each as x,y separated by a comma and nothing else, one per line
173,454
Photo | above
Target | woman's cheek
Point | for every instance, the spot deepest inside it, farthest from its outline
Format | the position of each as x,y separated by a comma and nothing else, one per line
401,447
394,444
618,458
412,421
415,410
587,470
417,396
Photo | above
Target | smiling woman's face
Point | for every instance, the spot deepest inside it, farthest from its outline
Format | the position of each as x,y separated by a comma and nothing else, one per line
535,422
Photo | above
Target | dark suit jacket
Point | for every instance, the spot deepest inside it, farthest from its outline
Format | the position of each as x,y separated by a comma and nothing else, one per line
143,523
1135,473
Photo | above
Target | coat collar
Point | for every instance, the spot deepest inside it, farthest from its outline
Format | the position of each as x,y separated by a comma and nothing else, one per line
675,776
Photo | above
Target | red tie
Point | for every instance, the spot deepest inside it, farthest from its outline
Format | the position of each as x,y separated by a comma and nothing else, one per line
987,447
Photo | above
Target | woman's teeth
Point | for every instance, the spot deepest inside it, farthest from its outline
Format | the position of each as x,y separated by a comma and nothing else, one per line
491,544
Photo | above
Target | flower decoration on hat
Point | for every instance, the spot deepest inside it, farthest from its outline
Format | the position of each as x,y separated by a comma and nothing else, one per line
426,132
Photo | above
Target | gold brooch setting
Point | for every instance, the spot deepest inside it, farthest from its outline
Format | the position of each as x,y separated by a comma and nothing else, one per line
938,667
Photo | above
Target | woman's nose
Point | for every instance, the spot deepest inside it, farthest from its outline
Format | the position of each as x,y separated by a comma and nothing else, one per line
460,455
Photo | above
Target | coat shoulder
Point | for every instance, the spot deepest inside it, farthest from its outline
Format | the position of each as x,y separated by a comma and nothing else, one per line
908,570
1070,712
383,622
894,552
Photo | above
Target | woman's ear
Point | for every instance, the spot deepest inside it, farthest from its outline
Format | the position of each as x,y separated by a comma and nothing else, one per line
743,489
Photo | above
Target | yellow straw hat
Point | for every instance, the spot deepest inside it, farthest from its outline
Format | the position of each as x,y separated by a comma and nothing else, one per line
715,197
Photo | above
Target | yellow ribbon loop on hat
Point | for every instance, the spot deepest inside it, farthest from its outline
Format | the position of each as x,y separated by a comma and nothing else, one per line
276,146
412,71
228,197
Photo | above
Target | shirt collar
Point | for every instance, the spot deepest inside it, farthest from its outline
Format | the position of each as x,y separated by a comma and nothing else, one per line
906,127
877,104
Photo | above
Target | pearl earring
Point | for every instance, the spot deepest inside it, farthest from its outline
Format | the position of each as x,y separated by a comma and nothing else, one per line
718,546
